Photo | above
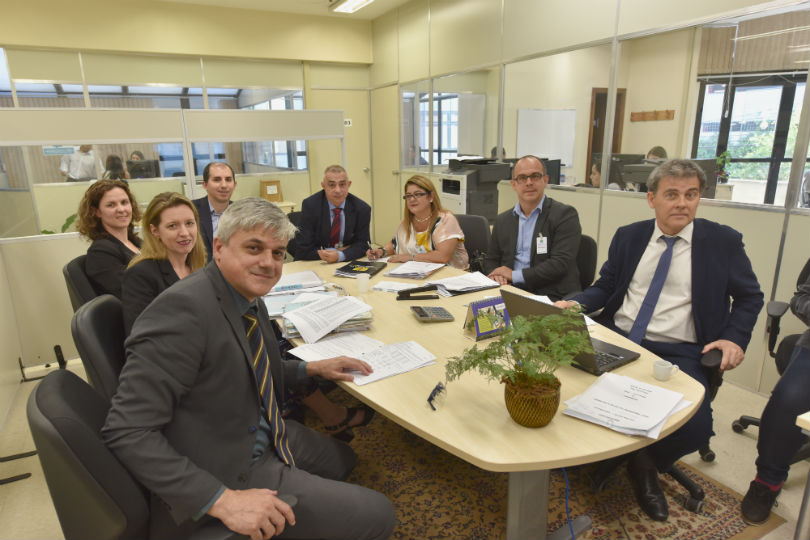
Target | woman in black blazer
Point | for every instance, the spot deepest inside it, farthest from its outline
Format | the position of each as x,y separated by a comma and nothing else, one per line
106,216
172,249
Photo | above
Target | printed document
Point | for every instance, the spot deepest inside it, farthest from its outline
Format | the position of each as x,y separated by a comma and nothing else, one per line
394,359
317,319
297,280
475,281
626,405
348,344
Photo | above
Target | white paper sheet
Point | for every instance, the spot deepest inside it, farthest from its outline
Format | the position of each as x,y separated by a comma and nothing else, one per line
394,359
349,344
317,319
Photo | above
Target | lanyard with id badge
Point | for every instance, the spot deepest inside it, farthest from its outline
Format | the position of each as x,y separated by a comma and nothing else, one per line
542,244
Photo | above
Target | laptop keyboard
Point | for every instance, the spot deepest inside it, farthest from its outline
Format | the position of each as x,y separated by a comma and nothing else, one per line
604,359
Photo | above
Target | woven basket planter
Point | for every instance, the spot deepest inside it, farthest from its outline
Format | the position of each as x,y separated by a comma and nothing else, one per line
532,407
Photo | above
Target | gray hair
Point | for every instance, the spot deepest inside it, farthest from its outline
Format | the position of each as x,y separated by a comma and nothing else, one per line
247,214
678,168
336,169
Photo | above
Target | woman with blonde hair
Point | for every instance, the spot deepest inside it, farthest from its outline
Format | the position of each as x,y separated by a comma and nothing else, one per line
428,232
106,216
172,249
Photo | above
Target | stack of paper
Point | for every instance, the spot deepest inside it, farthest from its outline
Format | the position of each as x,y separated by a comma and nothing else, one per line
414,270
390,360
626,405
277,303
392,286
475,281
348,344
297,280
325,315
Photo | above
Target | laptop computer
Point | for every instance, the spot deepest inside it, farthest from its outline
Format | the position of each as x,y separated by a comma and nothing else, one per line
606,356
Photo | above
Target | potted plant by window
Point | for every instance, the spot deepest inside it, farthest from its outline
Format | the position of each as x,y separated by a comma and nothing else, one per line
525,357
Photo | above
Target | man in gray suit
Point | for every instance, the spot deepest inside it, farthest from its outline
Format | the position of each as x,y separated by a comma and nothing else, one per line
534,245
195,417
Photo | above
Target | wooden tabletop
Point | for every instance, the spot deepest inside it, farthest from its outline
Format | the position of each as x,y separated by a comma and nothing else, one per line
473,422
803,421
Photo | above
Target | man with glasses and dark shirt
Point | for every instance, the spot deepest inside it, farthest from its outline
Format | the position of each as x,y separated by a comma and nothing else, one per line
334,223
534,245
219,182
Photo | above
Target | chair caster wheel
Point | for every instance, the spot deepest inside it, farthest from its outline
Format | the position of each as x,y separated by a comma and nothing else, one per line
737,426
708,457
694,505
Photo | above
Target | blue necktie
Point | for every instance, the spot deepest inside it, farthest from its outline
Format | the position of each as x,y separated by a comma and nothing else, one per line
645,313
264,380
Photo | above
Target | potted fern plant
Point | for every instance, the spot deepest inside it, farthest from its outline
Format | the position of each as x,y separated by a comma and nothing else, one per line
525,358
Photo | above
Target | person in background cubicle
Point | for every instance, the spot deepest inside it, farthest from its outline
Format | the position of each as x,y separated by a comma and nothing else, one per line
106,216
81,165
779,436
136,155
595,179
114,169
334,224
219,183
493,153
428,232
657,153
415,157
680,287
534,245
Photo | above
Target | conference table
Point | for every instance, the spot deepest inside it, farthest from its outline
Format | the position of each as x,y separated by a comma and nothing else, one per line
473,423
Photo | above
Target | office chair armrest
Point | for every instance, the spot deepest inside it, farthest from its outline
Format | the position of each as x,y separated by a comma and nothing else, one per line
775,312
711,362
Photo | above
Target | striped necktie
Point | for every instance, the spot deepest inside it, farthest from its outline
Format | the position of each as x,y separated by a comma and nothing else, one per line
264,380
645,312
334,234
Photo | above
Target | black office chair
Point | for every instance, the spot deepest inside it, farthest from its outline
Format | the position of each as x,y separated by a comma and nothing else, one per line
776,310
78,284
694,502
98,332
295,218
94,495
476,238
586,261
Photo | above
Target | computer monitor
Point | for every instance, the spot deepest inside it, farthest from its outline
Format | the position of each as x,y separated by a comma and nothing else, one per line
147,168
552,170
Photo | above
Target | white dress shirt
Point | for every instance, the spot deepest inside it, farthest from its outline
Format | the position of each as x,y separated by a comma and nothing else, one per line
672,320
80,166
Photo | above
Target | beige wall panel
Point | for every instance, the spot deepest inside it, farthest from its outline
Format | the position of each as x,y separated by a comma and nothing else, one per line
66,126
640,58
244,125
797,251
464,34
294,186
414,41
338,76
561,81
532,27
43,65
17,214
385,69
586,201
128,69
41,304
185,29
220,72
355,106
643,15
10,349
386,209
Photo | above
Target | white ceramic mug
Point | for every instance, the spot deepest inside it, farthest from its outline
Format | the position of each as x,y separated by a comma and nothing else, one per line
362,283
663,370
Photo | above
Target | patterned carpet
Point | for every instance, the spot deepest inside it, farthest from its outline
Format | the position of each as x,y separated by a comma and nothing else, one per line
437,495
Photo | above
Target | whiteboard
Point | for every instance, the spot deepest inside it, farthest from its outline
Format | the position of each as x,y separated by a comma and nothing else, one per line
547,133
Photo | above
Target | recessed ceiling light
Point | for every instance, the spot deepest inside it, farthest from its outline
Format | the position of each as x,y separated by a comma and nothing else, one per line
348,6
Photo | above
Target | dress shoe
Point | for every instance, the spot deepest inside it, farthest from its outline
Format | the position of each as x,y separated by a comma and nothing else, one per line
644,478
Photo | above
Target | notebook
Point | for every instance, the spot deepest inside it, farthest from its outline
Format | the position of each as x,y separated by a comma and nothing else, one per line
606,356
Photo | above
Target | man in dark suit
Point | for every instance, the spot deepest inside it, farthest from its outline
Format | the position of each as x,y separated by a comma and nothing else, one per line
334,223
534,245
680,287
219,182
195,417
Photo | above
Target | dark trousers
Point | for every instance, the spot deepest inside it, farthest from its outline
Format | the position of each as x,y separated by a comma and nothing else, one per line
697,431
779,436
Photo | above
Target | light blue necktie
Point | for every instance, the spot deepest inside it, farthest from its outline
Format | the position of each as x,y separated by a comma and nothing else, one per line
648,305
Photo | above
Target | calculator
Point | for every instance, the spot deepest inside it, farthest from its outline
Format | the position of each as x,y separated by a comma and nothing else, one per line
431,314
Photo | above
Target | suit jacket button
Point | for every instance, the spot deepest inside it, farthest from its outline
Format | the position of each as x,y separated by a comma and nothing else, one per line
252,429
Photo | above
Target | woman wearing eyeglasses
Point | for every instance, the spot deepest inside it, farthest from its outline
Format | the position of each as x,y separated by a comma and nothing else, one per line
428,232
